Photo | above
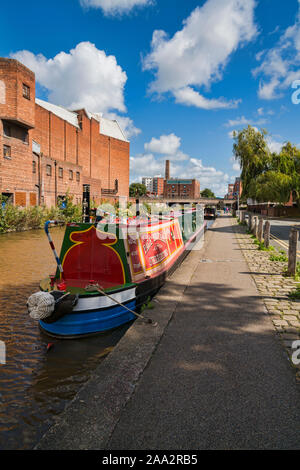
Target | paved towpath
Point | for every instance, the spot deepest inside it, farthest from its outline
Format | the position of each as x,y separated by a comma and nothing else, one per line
219,378
213,375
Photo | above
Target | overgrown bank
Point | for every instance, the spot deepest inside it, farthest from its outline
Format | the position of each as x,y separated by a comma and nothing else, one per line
14,218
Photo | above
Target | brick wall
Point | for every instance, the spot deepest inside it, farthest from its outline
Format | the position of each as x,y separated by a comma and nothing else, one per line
94,158
13,75
183,189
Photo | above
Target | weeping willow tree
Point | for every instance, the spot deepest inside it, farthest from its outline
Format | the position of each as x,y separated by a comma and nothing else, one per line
251,150
271,186
267,176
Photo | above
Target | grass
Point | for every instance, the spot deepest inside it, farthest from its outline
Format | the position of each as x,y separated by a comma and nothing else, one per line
148,304
297,275
280,257
295,295
261,246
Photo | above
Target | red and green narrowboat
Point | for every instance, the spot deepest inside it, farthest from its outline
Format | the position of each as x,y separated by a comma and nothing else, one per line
128,259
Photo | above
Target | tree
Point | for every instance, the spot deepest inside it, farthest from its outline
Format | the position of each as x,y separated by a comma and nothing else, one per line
272,186
207,193
267,176
137,189
251,150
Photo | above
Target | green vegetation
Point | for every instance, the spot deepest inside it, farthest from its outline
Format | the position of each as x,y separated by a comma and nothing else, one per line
295,295
260,245
137,189
297,275
279,257
148,304
13,218
207,193
267,176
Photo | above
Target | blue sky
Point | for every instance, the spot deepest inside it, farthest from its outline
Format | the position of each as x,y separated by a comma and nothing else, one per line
179,76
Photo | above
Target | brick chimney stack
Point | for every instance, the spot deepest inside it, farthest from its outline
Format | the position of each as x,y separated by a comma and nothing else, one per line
167,173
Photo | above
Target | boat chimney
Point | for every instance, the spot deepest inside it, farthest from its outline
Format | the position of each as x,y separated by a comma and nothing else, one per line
86,203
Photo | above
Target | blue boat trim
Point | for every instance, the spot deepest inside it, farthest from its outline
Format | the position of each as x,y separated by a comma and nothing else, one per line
84,323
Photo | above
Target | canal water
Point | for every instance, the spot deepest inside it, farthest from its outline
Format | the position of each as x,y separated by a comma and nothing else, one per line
36,383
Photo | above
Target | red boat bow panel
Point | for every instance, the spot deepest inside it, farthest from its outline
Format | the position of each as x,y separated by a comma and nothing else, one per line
93,257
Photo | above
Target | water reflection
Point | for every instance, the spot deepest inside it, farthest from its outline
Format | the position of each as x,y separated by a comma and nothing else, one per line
36,383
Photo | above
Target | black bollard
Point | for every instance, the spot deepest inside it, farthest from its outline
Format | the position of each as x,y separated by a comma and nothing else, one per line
86,204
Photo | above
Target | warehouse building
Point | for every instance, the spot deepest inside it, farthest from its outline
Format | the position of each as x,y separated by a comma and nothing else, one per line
47,151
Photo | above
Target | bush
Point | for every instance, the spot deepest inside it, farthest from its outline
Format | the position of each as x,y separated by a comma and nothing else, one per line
14,218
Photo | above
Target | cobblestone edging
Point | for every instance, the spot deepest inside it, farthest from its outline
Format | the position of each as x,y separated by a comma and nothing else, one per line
274,289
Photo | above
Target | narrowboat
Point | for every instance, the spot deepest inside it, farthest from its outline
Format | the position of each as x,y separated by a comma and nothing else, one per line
109,268
210,213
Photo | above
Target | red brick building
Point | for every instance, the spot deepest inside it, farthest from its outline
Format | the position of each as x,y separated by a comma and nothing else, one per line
230,191
237,188
158,186
47,150
182,188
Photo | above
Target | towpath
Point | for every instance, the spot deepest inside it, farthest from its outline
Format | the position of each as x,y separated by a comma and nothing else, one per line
214,377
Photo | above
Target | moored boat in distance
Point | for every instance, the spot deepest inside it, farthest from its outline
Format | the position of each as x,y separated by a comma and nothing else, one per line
111,268
210,213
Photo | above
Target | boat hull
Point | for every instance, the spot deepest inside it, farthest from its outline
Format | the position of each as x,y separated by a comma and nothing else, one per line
96,313
89,322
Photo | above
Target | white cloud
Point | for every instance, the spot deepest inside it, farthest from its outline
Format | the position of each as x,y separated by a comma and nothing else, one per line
280,65
235,165
166,144
274,145
126,124
242,121
189,97
263,112
197,54
145,165
84,77
115,7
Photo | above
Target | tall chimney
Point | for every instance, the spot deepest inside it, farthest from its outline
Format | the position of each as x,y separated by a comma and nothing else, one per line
167,173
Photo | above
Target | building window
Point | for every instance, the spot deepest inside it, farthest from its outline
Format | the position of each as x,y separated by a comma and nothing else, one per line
48,170
33,166
26,91
77,176
15,131
6,130
60,172
6,151
70,174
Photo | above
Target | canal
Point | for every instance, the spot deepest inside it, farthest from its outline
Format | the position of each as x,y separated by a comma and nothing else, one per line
36,383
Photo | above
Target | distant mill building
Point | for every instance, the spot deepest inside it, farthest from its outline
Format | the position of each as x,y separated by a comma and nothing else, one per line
179,187
47,150
171,188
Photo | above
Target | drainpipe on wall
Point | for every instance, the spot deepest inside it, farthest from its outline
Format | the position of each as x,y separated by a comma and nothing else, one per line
55,181
39,178
108,162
